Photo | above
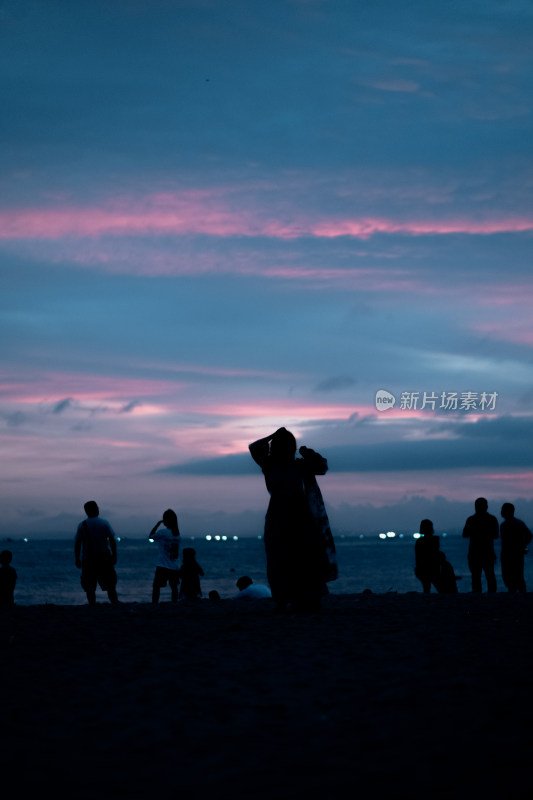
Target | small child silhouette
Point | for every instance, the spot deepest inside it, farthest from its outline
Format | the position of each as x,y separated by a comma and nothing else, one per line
190,575
448,578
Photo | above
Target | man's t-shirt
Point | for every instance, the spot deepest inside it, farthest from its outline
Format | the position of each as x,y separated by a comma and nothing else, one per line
94,534
255,590
169,549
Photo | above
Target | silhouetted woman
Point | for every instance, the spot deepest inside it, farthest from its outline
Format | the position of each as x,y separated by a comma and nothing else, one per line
168,541
297,563
427,557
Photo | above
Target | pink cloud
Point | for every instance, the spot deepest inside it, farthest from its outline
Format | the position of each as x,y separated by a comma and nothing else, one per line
53,387
514,332
512,481
207,213
364,228
123,256
504,295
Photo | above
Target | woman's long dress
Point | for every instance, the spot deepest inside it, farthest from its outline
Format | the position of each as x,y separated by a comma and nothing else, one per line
297,564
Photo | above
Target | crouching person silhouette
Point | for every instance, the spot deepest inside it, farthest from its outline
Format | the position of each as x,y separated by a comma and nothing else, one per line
95,550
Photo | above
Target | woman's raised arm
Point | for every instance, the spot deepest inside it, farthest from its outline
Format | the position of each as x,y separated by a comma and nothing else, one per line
259,449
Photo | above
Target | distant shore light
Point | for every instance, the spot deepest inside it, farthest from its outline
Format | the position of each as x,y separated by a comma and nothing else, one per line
391,534
217,538
235,538
224,538
208,537
382,535
416,536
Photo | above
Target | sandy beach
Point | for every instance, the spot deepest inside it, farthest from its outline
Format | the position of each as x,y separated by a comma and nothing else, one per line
404,696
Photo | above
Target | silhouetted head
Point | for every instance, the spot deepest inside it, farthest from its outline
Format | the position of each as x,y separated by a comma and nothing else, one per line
91,508
426,527
6,557
481,504
214,595
507,511
170,520
283,447
189,554
243,582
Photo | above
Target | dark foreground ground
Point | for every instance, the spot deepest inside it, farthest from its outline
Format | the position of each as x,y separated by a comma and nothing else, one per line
399,696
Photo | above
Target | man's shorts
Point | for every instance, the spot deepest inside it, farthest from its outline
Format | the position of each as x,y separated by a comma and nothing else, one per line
163,575
98,568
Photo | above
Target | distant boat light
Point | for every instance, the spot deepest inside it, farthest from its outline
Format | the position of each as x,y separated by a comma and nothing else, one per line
25,540
391,534
416,536
217,538
208,537
224,538
151,540
235,538
382,535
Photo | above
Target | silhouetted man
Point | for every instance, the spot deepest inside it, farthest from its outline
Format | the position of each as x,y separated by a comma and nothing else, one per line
482,529
515,536
95,549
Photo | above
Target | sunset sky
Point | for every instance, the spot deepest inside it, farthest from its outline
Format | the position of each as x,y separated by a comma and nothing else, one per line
218,218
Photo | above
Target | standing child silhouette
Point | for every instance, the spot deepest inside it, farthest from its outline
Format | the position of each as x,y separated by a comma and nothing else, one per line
190,575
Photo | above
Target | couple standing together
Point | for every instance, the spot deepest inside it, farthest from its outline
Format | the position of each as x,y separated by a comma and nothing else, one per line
300,552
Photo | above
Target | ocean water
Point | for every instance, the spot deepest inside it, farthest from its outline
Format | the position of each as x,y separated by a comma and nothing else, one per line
47,573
